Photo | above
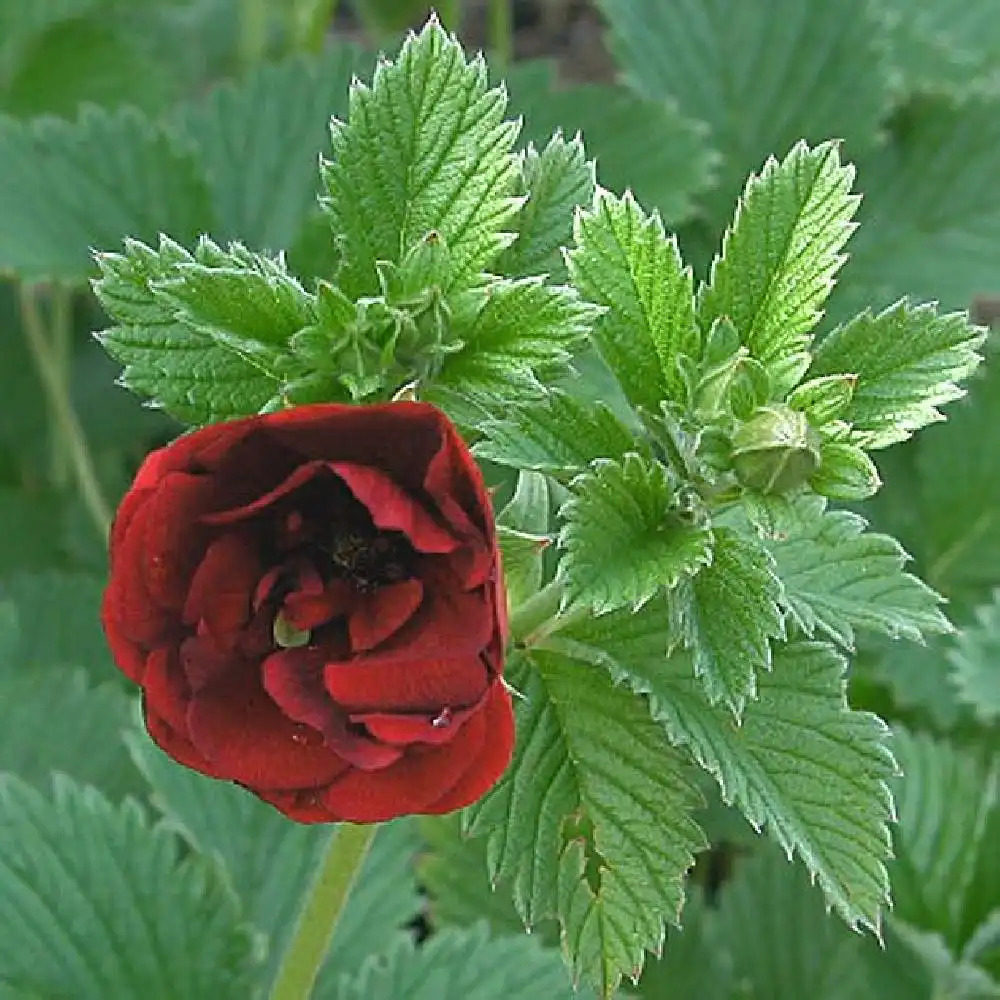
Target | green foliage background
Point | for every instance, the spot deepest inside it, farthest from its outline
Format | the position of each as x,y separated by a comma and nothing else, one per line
197,116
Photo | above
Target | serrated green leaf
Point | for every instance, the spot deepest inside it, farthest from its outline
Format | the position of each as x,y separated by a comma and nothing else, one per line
838,577
97,904
623,538
624,261
425,147
930,218
801,764
190,374
460,963
761,73
524,327
257,140
592,780
728,616
943,800
558,435
553,182
784,943
781,254
272,861
976,663
70,186
908,360
647,146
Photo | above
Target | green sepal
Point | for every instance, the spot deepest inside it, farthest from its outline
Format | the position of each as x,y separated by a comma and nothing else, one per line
776,450
738,385
824,399
845,473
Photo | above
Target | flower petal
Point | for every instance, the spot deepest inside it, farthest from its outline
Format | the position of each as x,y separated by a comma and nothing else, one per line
379,614
299,476
246,738
166,688
222,588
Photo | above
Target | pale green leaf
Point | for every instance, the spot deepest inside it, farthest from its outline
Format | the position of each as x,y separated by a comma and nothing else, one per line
425,148
554,181
467,964
623,260
592,781
645,145
271,861
729,615
801,764
559,434
197,378
258,139
761,73
97,904
780,257
908,360
838,577
943,800
976,663
525,327
930,219
624,537
71,186
784,943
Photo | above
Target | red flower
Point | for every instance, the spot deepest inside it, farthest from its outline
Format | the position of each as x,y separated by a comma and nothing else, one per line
312,603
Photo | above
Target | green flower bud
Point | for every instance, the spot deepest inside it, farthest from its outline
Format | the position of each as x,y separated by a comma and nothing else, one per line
738,385
775,450
824,399
845,473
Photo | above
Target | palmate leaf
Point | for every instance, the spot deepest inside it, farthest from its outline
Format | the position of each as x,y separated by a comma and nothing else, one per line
745,67
271,862
908,360
198,376
623,260
125,916
802,765
644,145
257,140
622,538
838,577
944,799
591,823
70,186
782,252
555,178
464,963
728,615
558,435
425,148
930,218
976,663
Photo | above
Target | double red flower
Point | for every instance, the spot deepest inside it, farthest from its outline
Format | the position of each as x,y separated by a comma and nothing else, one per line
312,603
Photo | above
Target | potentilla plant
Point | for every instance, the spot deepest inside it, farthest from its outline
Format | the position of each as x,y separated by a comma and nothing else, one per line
314,594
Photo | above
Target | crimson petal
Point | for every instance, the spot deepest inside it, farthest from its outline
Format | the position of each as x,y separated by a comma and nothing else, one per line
379,614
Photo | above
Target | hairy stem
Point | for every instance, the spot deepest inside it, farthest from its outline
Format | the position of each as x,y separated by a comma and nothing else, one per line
62,415
345,853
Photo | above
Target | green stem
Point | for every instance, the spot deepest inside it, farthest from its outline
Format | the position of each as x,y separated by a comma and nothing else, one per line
61,339
311,20
345,853
255,22
501,32
450,14
61,412
527,618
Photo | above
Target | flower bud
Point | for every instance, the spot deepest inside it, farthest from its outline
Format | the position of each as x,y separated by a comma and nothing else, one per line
845,473
775,450
824,399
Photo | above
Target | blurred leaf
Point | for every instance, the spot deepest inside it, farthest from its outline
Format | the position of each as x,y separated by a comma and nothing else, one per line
30,538
467,964
257,142
976,663
72,186
646,146
930,222
97,904
272,860
762,74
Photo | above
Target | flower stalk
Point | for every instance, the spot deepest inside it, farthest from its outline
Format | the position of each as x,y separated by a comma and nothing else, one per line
324,904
